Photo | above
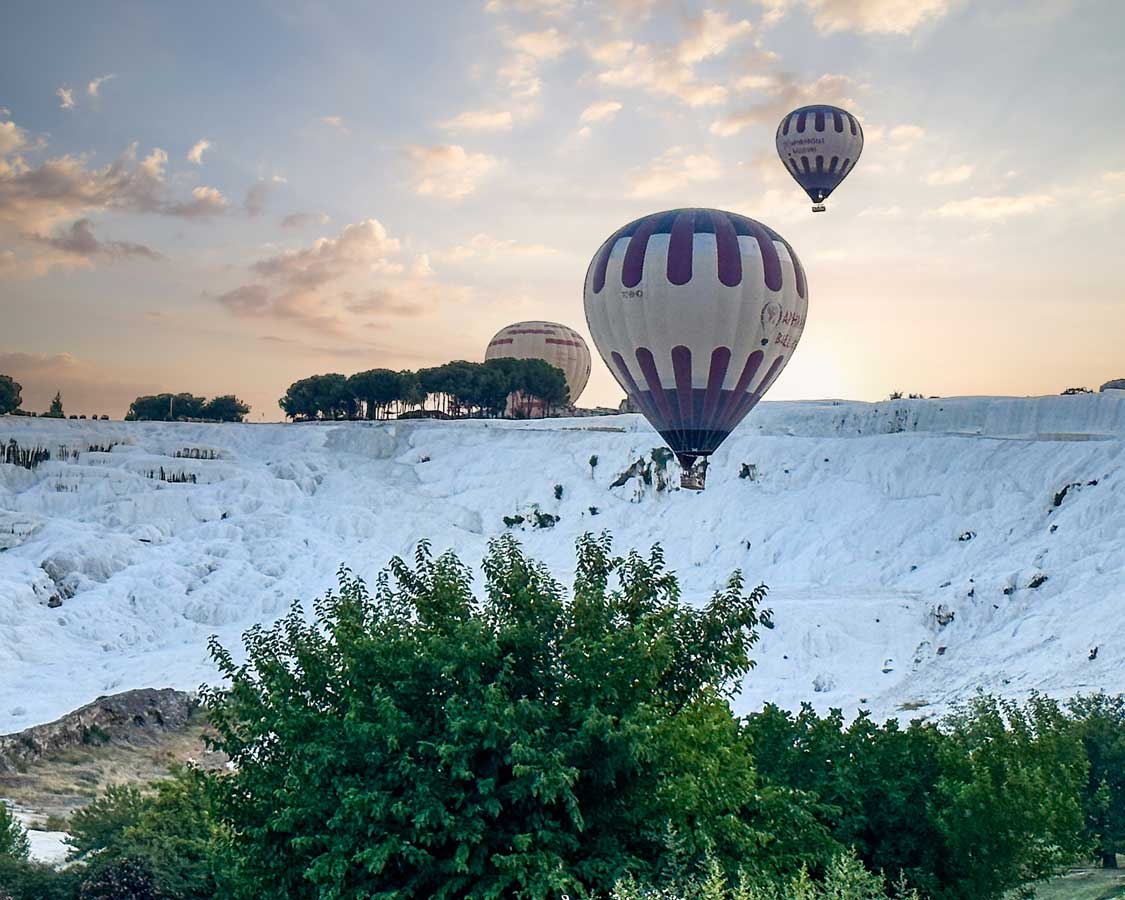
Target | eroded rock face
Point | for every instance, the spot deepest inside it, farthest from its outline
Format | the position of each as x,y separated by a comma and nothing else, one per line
131,717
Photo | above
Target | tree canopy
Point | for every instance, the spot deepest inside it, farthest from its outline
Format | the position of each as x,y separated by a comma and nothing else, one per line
10,396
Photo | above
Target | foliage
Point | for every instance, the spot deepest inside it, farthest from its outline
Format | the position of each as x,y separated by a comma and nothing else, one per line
845,879
1073,391
10,397
13,837
418,741
179,407
461,387
119,879
172,830
23,880
1100,722
227,408
56,409
984,804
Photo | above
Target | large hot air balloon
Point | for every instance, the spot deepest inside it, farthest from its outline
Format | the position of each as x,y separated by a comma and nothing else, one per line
696,312
819,146
556,344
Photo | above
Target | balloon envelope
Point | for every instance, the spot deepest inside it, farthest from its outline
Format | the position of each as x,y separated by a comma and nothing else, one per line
696,312
819,145
556,344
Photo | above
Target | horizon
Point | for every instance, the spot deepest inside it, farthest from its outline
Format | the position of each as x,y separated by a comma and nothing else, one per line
224,201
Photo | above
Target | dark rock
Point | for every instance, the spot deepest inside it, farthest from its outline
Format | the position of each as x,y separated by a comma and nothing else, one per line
131,717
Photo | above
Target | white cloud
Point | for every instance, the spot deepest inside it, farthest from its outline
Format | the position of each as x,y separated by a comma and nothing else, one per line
670,70
990,208
258,194
865,16
479,120
95,86
66,97
195,154
12,138
205,201
336,123
882,212
448,170
785,94
547,44
304,220
601,111
487,247
952,175
328,286
673,170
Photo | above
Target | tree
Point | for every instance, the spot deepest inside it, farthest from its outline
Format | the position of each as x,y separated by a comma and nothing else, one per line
56,410
420,742
320,396
120,879
413,395
227,408
1100,722
166,408
171,830
13,837
10,398
376,389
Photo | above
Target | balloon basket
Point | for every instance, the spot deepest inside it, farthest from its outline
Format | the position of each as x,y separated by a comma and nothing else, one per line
693,480
818,208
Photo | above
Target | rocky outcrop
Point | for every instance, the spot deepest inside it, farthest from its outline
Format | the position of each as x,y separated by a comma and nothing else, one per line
133,717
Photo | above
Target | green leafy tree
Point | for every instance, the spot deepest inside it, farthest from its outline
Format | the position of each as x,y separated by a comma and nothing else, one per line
1100,722
420,742
166,408
376,389
120,879
56,409
227,408
23,880
320,396
412,394
13,837
171,830
10,396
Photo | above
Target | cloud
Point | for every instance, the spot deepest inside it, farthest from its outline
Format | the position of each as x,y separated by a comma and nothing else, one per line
952,175
547,44
785,93
601,111
534,7
66,97
865,16
530,50
448,170
336,123
205,201
258,194
991,208
673,170
325,286
670,70
95,86
479,120
79,240
484,246
195,154
882,212
12,138
304,220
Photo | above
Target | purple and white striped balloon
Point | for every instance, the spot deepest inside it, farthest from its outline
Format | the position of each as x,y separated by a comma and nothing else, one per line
696,312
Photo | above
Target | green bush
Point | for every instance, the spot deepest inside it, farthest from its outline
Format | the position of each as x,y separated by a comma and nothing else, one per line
13,837
119,879
23,880
417,741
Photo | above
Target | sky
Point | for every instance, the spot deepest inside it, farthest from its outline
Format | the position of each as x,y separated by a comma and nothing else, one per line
225,197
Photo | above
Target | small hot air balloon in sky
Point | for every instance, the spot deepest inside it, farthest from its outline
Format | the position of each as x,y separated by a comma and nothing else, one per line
819,145
696,312
556,344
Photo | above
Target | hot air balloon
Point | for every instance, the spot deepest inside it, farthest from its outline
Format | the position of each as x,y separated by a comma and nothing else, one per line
556,344
695,312
819,146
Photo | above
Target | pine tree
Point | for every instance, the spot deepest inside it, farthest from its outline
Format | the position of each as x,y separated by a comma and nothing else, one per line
56,410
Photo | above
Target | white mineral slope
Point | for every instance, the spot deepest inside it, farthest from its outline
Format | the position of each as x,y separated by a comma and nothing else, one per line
854,518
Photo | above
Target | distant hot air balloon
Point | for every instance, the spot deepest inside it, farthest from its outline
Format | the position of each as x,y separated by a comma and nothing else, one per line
819,146
696,312
556,344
